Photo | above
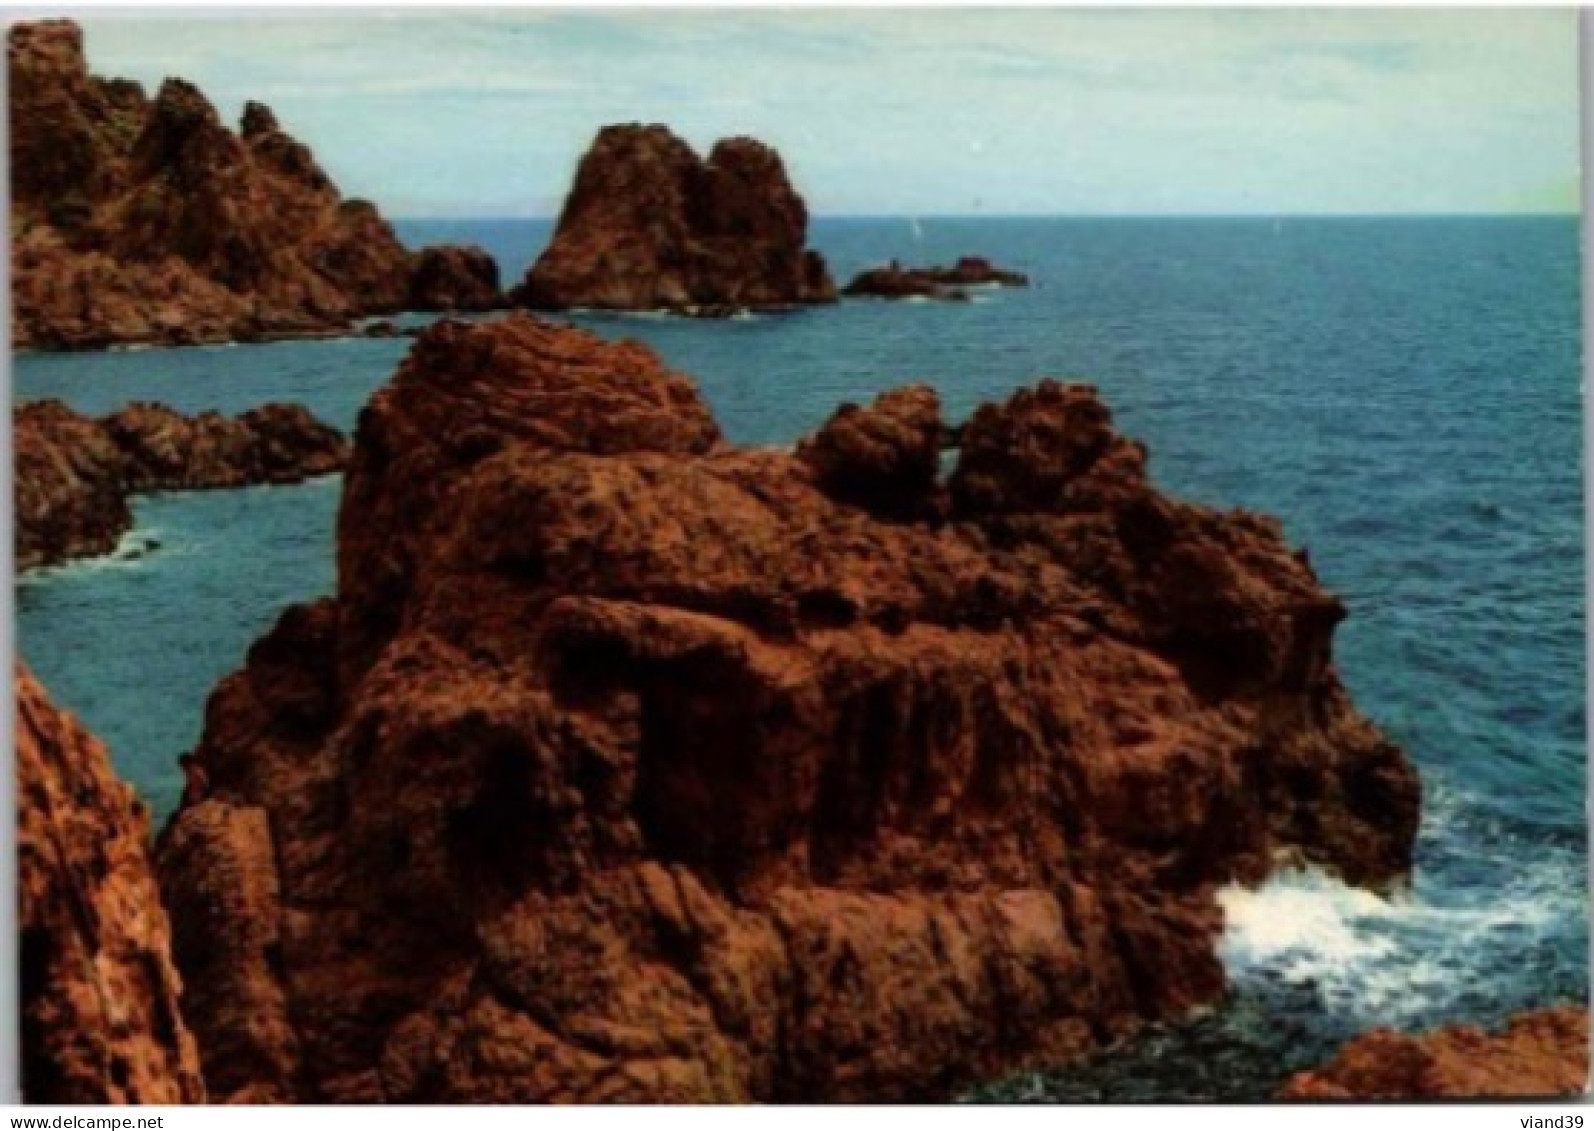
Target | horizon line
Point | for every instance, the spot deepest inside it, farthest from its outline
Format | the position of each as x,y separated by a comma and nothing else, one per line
1547,214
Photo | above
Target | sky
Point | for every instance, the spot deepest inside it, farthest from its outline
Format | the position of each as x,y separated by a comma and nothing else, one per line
917,112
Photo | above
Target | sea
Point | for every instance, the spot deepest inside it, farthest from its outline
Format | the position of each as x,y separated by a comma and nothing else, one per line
1403,392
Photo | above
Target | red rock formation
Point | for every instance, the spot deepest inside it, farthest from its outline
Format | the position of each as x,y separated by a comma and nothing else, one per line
454,279
74,473
626,764
885,458
896,281
99,995
138,220
650,225
1540,1054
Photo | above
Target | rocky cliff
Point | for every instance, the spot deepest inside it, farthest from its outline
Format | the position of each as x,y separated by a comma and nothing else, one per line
651,225
100,997
630,765
74,473
138,219
1540,1054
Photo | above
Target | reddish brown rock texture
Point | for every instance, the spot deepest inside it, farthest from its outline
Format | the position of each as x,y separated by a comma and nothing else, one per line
99,995
650,225
454,278
74,473
148,220
885,458
1540,1054
630,765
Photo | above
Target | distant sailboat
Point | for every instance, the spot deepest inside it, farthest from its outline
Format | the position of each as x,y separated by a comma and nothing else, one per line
913,227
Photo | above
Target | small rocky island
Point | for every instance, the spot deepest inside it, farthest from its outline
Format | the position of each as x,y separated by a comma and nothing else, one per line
650,225
138,219
627,764
949,284
74,473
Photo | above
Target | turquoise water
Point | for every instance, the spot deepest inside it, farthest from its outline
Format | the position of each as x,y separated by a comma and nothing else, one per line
1403,393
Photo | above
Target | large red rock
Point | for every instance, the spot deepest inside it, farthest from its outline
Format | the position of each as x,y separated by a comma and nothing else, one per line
1540,1054
651,225
629,765
148,220
101,1021
74,473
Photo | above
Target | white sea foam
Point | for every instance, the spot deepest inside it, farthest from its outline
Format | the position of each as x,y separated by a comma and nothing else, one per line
1403,958
131,550
658,315
1306,928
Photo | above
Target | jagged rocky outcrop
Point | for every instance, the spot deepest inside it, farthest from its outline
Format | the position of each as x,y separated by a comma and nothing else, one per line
650,225
138,219
1539,1054
74,473
100,1016
628,764
946,283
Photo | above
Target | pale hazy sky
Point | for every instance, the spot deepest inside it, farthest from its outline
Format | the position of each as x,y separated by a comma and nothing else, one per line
918,112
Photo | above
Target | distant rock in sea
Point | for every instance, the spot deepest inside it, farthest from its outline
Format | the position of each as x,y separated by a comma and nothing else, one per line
628,764
1539,1055
649,225
147,220
454,279
947,283
101,1018
74,473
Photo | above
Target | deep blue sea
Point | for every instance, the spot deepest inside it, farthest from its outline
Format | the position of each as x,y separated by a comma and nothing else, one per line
1404,393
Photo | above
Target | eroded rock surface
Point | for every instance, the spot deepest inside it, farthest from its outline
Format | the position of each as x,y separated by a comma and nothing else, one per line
138,219
627,764
74,473
1539,1054
101,1021
650,225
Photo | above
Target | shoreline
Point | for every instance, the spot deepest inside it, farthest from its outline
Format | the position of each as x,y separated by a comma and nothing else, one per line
358,333
117,554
